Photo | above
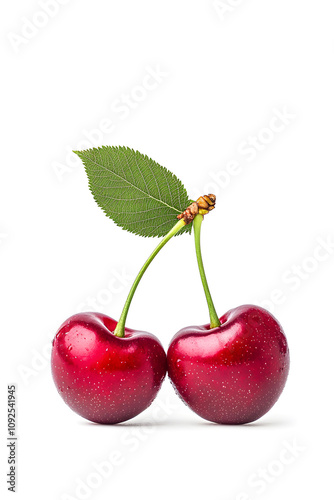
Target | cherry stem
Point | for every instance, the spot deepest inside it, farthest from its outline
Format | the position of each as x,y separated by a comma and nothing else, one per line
120,327
214,320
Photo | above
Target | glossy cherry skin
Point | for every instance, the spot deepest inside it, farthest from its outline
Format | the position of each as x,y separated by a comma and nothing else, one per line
104,378
232,374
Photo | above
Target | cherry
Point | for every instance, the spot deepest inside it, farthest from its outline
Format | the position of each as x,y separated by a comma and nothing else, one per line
230,371
234,369
103,377
233,373
105,372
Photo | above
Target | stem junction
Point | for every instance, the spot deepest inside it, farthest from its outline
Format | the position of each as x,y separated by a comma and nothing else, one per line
194,213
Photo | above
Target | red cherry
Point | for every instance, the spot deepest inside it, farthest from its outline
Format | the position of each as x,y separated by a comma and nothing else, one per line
102,377
232,374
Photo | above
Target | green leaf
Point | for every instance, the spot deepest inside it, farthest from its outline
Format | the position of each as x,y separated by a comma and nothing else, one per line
139,195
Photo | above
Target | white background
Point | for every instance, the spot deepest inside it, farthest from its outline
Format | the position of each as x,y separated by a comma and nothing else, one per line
226,75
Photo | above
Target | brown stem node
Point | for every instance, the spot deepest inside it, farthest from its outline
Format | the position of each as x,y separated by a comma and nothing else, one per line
203,205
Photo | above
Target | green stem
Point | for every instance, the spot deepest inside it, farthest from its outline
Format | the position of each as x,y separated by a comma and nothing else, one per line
214,320
119,330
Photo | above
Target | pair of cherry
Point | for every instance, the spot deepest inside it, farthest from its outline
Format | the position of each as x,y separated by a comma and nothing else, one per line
230,374
230,371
